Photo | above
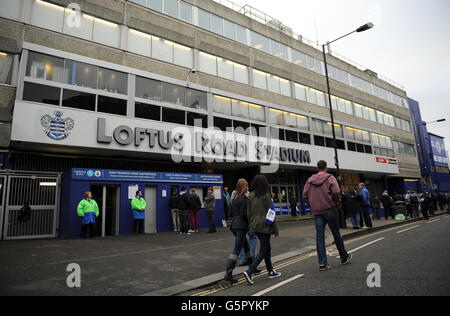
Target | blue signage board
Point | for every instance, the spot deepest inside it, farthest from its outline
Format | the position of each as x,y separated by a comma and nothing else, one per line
439,153
143,176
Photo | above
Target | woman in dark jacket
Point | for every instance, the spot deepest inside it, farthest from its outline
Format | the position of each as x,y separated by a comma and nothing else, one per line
259,203
353,206
239,227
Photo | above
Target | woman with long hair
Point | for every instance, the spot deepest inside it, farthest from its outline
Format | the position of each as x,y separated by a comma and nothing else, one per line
259,203
239,227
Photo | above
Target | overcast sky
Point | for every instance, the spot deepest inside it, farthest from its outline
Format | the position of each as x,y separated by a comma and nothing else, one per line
410,43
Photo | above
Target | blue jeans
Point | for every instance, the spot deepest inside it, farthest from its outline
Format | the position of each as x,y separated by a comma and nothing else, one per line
240,243
321,221
252,241
355,220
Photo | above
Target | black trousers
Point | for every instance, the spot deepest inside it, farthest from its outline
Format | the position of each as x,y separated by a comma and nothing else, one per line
138,226
425,212
388,212
365,217
294,210
265,253
184,221
85,228
211,220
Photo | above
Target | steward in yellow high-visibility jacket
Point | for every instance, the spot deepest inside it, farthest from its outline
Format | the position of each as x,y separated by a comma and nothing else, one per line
138,206
88,211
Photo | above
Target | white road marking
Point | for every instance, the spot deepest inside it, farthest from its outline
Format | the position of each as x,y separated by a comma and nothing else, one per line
363,246
278,285
436,220
405,230
446,216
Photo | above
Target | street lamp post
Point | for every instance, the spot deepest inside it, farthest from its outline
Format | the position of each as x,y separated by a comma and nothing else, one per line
363,28
433,169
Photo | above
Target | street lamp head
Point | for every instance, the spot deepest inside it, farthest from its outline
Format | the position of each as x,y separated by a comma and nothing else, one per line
442,120
365,27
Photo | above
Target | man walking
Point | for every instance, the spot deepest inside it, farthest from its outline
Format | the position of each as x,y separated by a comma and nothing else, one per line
138,206
210,205
323,195
88,211
365,205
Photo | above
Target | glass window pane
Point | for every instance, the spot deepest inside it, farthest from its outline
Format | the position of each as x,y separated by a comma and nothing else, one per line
358,136
241,34
257,112
341,105
224,68
285,87
112,81
204,19
112,106
290,119
196,99
198,120
275,48
240,109
106,33
260,42
283,52
222,105
229,30
216,24
223,124
174,116
47,15
45,67
311,96
171,8
303,122
6,68
155,5
299,58
148,111
186,12
10,10
349,108
366,113
139,43
372,115
350,133
183,56
276,117
174,94
208,63
320,98
359,110
259,79
300,92
78,100
273,83
41,94
366,137
148,89
81,74
162,49
84,29
240,73
318,126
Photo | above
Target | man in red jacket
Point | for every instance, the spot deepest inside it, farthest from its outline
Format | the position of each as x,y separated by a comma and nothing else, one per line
323,195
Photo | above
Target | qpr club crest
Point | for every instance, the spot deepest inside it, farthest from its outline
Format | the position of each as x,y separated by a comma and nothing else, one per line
56,127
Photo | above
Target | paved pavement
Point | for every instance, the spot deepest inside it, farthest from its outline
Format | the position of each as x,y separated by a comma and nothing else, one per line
413,261
162,264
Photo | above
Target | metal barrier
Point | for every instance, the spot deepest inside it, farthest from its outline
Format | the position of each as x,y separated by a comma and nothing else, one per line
41,194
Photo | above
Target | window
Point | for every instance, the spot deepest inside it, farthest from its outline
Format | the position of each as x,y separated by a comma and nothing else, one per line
183,56
222,105
351,146
208,63
139,43
320,98
174,94
259,79
6,68
298,58
78,100
45,67
318,126
47,15
241,35
311,96
224,68
155,5
106,33
196,99
291,136
41,94
257,112
223,124
216,24
359,110
171,7
83,30
10,10
260,42
273,84
148,89
319,141
204,19
112,106
300,92
198,120
304,138
258,130
80,74
285,87
277,133
229,30
162,49
186,12
240,109
241,127
174,116
276,117
240,73
148,111
112,81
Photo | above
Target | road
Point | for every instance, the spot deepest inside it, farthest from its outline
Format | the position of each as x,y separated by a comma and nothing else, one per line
413,260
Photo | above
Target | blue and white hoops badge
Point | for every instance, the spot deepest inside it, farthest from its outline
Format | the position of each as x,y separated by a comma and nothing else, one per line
56,127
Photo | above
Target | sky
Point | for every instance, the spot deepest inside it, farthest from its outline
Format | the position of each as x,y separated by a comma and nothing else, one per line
410,43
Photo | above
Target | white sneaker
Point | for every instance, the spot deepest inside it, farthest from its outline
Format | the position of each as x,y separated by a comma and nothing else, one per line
274,274
190,231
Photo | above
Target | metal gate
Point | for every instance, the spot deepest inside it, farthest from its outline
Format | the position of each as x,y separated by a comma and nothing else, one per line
41,194
2,202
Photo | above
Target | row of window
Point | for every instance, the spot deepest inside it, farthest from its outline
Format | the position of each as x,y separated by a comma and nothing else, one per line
404,149
231,30
223,68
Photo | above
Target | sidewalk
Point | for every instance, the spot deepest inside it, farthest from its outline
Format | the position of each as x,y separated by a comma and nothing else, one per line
162,264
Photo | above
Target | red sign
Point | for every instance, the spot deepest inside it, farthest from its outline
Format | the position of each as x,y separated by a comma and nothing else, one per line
382,160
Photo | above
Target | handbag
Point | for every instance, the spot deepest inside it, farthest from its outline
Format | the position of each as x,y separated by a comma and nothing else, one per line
271,215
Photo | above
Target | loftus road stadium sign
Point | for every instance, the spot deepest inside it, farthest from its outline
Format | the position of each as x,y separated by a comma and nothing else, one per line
205,142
